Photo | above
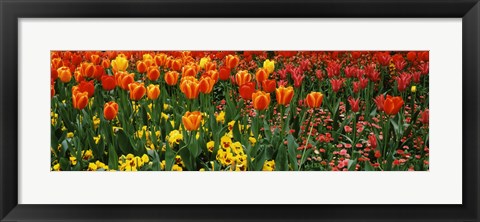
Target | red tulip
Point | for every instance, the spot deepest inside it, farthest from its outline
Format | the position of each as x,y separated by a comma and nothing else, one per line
87,86
224,73
108,82
354,104
380,102
425,117
336,84
269,85
392,105
246,90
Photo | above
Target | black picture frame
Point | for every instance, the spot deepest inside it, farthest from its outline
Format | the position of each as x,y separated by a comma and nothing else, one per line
11,11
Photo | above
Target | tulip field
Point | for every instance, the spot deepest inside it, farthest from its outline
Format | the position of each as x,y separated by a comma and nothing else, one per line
239,110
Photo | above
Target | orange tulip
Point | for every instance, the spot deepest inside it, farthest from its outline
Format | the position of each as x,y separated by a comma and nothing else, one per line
123,79
231,61
120,63
206,85
80,100
95,59
176,64
392,105
242,77
314,99
64,74
190,87
261,100
153,91
190,70
110,110
160,59
56,63
148,60
284,95
137,90
212,74
261,75
192,120
105,63
269,85
78,76
171,78
210,66
87,70
141,67
153,73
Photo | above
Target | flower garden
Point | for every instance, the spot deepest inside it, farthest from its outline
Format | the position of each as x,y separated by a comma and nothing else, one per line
239,111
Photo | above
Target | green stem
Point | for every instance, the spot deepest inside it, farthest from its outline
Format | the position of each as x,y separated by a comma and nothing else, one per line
306,144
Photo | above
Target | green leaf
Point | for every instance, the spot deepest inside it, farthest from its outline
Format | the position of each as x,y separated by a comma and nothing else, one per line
187,158
292,152
352,165
64,164
124,143
266,130
369,167
112,158
281,161
259,160
169,157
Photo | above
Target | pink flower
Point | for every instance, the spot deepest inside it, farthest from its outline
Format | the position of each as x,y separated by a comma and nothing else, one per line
347,129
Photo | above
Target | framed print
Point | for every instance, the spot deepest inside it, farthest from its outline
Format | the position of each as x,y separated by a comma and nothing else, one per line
152,109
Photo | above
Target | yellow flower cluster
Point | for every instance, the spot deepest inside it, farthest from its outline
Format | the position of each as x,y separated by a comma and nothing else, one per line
269,165
177,166
54,118
97,166
174,137
132,162
232,154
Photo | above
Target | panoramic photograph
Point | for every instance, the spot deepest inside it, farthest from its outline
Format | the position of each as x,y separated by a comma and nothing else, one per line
239,110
